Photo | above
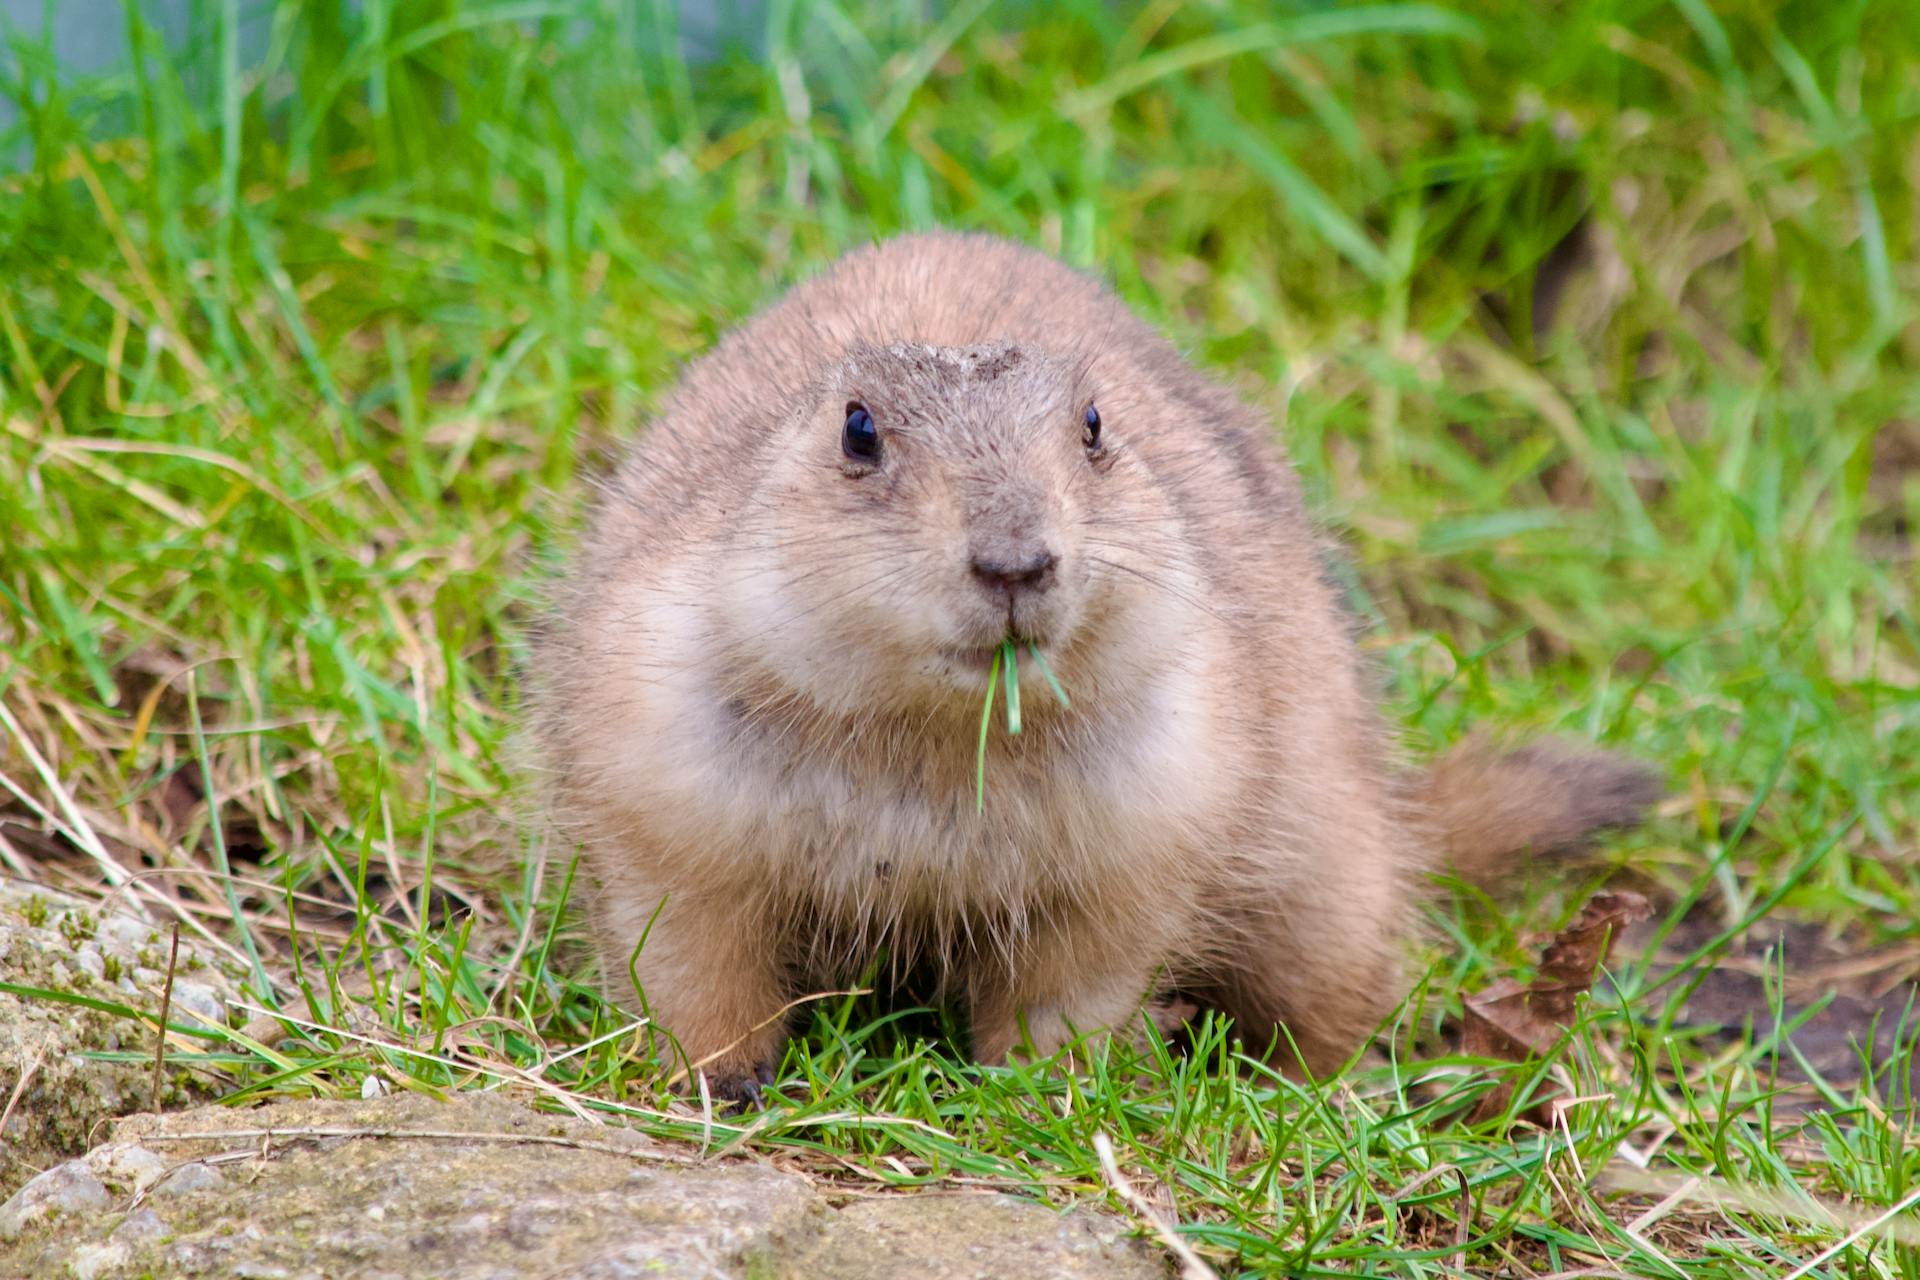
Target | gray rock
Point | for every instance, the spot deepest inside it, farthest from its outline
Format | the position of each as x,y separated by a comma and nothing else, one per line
90,962
66,1189
187,1179
91,1261
67,1094
141,1227
199,998
127,934
962,1237
503,1191
133,1168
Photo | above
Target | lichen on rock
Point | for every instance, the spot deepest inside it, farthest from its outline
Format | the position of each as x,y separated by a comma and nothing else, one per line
482,1187
52,943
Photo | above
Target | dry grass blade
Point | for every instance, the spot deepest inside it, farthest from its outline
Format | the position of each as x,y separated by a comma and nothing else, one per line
1192,1266
1735,1198
75,826
295,1133
166,1009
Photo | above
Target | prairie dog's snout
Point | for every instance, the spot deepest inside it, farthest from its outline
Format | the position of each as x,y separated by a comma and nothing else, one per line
1011,550
759,690
1013,553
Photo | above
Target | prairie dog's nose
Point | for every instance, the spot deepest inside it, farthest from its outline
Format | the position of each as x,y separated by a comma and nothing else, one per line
1005,574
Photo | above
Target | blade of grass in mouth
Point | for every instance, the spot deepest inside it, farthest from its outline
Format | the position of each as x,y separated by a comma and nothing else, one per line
1047,671
1011,659
1006,665
986,722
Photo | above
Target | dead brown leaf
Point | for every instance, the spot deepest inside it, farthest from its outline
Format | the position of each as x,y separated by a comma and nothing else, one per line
1520,1020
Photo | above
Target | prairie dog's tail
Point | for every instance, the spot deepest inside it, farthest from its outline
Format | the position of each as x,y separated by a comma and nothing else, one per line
1489,808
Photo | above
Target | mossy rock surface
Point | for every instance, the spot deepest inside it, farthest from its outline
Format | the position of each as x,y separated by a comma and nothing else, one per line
53,944
407,1186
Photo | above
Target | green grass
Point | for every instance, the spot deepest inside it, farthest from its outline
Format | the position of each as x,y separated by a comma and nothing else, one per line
1591,325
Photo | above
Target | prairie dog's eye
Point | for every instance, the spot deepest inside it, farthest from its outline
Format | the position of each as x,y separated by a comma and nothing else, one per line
1091,435
860,440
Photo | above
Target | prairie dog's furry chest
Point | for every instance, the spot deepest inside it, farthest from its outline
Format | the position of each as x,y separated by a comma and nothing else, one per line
875,823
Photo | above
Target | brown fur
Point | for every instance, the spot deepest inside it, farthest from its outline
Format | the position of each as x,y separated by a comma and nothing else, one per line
758,696
1490,807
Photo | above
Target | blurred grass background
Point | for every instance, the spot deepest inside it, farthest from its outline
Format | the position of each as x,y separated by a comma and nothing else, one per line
1591,324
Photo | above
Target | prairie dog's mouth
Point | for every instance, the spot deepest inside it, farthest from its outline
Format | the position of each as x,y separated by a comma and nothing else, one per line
980,657
971,659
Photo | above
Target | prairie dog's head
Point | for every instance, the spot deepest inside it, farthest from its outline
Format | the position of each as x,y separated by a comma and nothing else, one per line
926,504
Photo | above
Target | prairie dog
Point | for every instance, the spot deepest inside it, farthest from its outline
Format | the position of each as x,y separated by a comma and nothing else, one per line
759,691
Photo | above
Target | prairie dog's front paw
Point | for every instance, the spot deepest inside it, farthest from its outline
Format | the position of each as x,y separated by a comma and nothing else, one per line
1170,1013
1007,1027
738,1088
